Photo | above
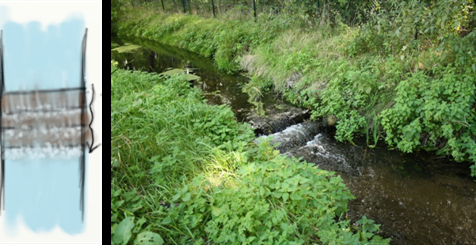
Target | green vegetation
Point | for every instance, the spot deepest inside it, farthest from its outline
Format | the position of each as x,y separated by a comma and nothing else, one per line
126,48
184,172
399,71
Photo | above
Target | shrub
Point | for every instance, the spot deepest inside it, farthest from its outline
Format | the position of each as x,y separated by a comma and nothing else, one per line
436,113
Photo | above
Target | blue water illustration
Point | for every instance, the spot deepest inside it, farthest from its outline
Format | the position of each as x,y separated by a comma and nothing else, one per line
52,58
43,190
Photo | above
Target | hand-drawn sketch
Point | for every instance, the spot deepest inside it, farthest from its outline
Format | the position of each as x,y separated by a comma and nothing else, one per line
46,116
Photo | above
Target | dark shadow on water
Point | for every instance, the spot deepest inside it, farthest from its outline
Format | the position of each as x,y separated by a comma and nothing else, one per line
418,198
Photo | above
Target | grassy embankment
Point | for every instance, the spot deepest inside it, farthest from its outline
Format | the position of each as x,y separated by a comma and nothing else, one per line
379,79
186,172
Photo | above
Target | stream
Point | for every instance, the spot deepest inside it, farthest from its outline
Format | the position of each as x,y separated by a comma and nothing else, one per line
417,198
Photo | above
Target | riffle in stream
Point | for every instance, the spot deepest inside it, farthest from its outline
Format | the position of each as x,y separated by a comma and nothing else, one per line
417,198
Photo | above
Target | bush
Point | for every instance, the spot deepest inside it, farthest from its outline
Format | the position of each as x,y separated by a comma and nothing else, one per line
435,113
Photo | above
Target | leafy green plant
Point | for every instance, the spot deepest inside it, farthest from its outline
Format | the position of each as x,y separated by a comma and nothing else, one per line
274,199
366,228
441,109
149,238
126,48
123,232
473,171
255,90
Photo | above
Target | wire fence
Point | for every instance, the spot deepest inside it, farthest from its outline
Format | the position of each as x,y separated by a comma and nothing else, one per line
205,7
350,12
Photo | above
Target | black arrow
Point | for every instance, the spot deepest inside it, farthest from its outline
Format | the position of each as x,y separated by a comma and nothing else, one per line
91,149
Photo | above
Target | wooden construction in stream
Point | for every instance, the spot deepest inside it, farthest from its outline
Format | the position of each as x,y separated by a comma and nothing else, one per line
44,118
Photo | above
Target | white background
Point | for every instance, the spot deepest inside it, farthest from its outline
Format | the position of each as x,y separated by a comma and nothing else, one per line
54,12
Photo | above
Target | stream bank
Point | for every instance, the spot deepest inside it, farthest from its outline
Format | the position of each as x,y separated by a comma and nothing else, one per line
418,198
343,71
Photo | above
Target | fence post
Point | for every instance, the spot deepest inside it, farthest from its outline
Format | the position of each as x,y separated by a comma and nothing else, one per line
254,9
213,8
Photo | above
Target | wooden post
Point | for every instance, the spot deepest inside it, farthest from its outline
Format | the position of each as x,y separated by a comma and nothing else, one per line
162,5
254,9
213,8
317,10
183,3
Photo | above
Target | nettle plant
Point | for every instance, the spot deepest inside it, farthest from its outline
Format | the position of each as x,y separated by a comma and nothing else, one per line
273,199
346,96
434,113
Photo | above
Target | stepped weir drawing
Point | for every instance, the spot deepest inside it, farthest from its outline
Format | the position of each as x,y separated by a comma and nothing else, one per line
44,129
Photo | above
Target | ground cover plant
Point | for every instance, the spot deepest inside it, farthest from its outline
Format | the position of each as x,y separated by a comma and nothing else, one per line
185,172
402,72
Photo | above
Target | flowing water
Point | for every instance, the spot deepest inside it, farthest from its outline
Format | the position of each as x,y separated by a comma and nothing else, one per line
417,198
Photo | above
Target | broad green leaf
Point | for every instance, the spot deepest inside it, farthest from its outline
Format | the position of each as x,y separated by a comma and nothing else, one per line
368,90
119,203
176,197
295,196
216,211
285,196
137,103
113,228
166,221
186,197
191,77
117,192
139,224
149,238
126,48
175,72
123,231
